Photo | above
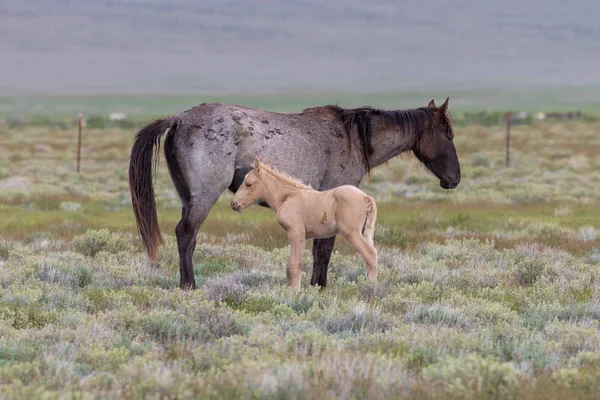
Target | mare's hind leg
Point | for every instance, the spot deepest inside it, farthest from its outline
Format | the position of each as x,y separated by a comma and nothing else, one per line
206,183
366,250
193,215
322,249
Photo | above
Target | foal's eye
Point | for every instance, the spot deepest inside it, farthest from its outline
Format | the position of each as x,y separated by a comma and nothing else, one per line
248,184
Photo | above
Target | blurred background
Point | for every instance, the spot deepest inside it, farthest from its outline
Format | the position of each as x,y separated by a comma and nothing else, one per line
162,56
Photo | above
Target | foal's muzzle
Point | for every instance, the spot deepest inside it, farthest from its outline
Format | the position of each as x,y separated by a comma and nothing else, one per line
235,206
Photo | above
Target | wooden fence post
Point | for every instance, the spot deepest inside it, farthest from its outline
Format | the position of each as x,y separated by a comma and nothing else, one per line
507,117
80,126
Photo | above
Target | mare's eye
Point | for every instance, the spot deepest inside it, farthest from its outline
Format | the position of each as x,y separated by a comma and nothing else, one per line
248,184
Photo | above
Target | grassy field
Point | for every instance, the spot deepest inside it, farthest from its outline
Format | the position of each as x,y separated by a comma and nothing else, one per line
532,99
488,291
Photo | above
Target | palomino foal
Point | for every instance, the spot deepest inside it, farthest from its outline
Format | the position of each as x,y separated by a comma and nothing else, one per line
305,213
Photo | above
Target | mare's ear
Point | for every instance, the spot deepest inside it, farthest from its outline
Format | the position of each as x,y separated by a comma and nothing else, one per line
431,104
443,110
270,164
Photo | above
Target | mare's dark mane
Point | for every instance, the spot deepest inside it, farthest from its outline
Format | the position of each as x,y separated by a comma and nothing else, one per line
415,120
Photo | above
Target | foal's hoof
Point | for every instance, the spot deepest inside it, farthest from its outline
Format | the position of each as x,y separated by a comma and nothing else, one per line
295,289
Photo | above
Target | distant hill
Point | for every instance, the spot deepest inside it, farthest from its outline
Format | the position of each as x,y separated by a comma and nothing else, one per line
237,46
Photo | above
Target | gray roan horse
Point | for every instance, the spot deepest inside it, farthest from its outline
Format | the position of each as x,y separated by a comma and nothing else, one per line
211,147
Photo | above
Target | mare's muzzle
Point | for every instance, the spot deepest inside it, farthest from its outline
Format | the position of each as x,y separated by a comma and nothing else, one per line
449,184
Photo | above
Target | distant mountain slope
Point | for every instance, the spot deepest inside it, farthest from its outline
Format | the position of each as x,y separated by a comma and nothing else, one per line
267,45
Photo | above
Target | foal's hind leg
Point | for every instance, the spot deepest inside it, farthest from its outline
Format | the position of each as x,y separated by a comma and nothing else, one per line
367,251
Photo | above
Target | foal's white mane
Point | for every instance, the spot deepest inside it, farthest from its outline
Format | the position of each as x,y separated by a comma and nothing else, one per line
285,178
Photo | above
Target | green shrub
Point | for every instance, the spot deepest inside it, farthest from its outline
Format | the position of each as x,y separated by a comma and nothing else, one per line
217,323
21,352
208,323
255,279
126,124
374,291
308,342
212,266
69,206
530,195
421,356
166,324
83,277
99,299
103,359
302,303
416,179
528,270
586,380
38,237
225,288
255,304
382,343
4,248
20,373
436,314
96,121
94,241
585,117
586,359
473,374
282,311
377,178
21,316
390,236
481,161
357,320
4,172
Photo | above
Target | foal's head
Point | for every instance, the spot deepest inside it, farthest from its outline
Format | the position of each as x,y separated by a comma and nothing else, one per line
435,147
251,189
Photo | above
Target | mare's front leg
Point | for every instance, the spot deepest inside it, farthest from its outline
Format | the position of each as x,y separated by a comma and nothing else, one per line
294,265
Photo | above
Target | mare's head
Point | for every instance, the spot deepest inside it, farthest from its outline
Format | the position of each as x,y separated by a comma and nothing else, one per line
251,188
434,147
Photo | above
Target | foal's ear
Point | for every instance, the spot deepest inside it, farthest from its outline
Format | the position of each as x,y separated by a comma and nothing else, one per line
270,164
431,104
443,110
257,163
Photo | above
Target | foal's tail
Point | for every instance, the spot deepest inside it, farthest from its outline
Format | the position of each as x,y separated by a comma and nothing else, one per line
147,142
369,228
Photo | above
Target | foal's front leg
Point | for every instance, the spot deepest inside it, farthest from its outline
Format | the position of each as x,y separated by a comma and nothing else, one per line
294,265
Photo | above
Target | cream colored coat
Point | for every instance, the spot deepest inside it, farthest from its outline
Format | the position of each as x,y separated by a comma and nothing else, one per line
305,213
